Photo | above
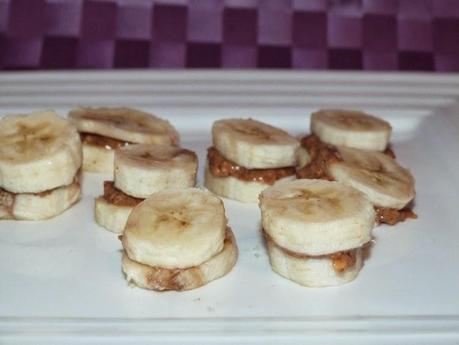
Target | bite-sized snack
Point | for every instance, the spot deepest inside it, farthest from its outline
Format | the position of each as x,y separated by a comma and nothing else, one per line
40,159
140,171
178,239
315,230
390,187
104,130
248,156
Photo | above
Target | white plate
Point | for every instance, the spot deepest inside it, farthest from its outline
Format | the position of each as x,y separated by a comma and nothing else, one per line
61,280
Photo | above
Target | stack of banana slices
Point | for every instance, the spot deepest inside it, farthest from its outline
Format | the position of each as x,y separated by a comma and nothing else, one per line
248,156
352,147
178,240
315,230
140,171
103,130
40,160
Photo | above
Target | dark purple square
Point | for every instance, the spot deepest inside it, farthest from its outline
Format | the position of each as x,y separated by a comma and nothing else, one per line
169,23
240,26
59,52
379,33
21,53
26,18
345,59
420,9
203,55
414,35
446,8
310,29
274,57
132,54
415,61
99,19
380,6
446,35
447,62
379,61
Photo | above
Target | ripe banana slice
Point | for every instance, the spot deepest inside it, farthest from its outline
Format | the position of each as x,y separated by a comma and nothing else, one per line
312,271
351,129
378,176
38,152
175,228
316,217
253,144
124,124
156,278
141,170
111,217
98,159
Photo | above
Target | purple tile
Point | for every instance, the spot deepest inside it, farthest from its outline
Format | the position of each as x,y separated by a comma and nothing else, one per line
447,62
94,53
344,31
310,29
240,26
205,21
379,33
380,61
234,56
274,57
388,7
99,20
203,55
415,9
415,61
4,13
134,22
63,18
26,18
21,53
351,8
132,54
345,59
446,35
414,35
309,59
59,52
274,22
310,5
169,23
167,55
241,3
446,8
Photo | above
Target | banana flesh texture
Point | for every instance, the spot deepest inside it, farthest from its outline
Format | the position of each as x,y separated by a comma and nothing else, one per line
316,217
384,182
351,129
175,228
38,152
124,124
142,169
254,144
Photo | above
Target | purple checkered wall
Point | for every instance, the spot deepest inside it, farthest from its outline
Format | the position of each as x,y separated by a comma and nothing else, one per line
301,34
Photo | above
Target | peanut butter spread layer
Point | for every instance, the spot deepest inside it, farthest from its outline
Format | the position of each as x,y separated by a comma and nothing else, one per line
116,197
102,141
222,167
322,155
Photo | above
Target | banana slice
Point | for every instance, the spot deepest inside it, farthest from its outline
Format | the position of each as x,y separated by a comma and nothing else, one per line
253,144
124,124
378,176
316,217
175,228
38,152
111,217
319,271
351,129
141,170
156,278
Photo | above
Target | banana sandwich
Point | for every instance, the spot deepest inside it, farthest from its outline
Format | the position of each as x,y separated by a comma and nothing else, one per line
248,156
40,160
103,130
178,240
315,230
353,148
141,170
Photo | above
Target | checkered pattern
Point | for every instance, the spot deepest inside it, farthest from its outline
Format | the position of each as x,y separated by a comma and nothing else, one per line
301,34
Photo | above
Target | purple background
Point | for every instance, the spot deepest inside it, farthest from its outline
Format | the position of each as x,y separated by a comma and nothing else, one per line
302,34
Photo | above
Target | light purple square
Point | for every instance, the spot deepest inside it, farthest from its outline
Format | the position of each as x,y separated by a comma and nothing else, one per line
99,20
63,18
309,59
446,8
134,22
447,62
22,52
274,22
234,56
310,5
168,55
380,6
26,18
414,35
380,61
344,31
205,21
346,8
4,10
415,9
241,3
93,53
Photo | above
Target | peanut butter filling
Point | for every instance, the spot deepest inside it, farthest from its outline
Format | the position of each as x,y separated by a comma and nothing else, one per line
116,197
102,141
221,167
